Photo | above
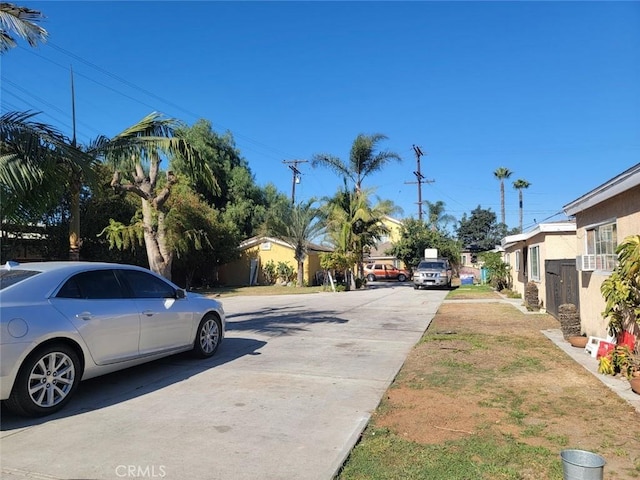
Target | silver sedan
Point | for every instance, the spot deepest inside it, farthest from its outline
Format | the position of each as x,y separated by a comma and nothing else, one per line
63,322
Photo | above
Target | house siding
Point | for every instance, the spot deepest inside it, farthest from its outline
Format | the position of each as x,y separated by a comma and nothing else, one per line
555,241
624,209
552,246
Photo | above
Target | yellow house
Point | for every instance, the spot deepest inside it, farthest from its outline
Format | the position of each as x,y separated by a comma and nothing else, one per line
257,252
377,253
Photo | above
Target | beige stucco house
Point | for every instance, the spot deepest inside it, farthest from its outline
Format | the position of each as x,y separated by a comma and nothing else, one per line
528,255
604,217
256,252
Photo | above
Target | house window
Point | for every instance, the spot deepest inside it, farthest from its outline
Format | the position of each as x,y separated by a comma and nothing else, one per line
534,263
601,243
517,260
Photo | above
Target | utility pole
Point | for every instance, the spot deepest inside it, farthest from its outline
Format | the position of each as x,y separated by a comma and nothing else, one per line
420,179
293,165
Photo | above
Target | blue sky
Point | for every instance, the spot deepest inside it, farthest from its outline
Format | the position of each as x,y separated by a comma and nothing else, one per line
549,90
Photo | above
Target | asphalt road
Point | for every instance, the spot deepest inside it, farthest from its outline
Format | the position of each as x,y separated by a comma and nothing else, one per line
286,397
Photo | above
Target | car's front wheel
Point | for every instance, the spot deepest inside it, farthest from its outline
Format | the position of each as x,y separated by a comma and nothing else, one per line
208,336
401,278
46,381
371,277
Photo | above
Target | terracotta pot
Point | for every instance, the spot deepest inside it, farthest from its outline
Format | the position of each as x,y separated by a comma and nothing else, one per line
635,384
579,342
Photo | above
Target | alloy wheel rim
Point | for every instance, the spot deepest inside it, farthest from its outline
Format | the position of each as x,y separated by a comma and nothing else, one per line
51,379
209,336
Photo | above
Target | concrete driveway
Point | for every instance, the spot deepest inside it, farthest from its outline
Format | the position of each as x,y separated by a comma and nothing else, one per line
286,397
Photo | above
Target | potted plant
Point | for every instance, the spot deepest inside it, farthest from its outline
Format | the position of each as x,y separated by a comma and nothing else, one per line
621,292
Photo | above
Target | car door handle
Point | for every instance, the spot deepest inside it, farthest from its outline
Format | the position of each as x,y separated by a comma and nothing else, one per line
85,316
148,313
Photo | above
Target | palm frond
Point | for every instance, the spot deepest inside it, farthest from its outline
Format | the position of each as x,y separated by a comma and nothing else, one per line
20,21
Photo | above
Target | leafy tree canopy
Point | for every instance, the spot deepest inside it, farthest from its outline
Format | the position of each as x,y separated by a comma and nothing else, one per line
416,236
481,230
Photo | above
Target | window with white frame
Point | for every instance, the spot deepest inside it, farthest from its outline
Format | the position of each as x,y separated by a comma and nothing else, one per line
534,263
600,248
517,260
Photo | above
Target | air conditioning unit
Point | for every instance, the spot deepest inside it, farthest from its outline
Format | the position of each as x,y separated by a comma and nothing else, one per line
586,263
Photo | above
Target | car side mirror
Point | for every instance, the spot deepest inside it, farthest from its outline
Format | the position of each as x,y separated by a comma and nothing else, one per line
180,293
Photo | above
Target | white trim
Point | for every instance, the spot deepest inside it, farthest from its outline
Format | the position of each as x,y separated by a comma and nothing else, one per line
553,227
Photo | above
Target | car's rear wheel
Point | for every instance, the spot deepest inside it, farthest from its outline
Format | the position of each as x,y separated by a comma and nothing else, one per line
208,336
46,381
401,278
371,277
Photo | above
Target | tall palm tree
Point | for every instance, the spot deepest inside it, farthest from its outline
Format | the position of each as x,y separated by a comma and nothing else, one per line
34,163
502,173
135,156
299,225
363,159
21,22
520,185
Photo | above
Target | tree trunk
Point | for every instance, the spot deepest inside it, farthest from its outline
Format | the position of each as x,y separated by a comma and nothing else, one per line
300,273
502,212
520,195
159,256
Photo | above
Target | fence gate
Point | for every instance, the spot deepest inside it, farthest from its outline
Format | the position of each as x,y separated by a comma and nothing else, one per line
561,278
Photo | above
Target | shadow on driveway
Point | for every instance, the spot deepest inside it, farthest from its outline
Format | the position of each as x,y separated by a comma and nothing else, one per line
117,387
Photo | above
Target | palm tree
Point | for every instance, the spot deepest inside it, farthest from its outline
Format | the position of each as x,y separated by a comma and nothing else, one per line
502,173
135,156
437,219
19,21
299,225
354,224
34,162
519,185
363,159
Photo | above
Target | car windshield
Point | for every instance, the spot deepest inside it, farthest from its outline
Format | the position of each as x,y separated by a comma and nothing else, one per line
432,265
11,277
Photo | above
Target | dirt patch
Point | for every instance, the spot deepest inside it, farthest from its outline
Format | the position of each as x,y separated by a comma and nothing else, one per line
486,367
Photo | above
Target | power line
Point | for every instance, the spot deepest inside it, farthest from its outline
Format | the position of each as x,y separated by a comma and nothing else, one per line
148,93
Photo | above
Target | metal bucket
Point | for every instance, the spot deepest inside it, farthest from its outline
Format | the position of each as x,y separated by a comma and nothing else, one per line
582,465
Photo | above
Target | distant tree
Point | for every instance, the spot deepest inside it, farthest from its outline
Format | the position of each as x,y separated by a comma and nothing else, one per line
499,276
20,22
363,159
239,199
354,223
502,173
437,219
416,236
520,185
481,229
